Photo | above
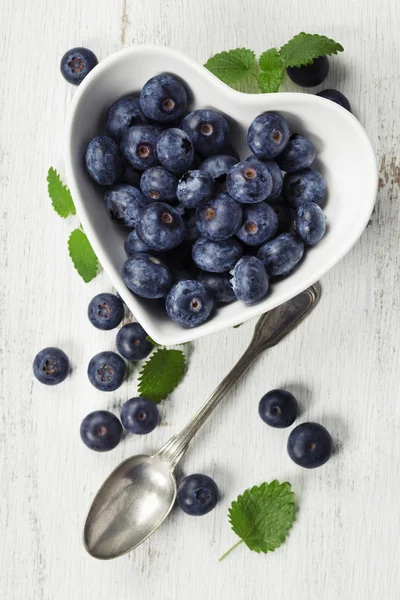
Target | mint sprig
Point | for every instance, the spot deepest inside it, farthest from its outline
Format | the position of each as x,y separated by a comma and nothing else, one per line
233,66
272,71
304,48
161,374
82,255
60,195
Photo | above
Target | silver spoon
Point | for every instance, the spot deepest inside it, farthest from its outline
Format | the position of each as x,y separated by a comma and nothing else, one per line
139,494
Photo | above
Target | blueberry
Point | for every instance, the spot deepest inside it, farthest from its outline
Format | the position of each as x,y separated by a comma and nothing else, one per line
219,284
310,445
259,224
220,218
76,64
159,184
163,98
146,276
218,167
51,366
281,255
189,303
298,154
139,146
192,232
250,280
217,257
103,160
124,204
249,182
306,185
105,311
278,408
122,115
336,96
276,175
175,150
161,227
133,244
208,130
282,211
140,415
268,135
195,188
101,431
197,495
310,75
132,342
106,371
310,223
130,176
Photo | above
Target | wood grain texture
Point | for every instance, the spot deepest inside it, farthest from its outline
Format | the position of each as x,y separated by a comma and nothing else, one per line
342,362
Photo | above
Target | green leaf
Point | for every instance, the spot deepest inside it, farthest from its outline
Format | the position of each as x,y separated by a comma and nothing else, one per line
161,374
149,339
60,195
83,256
304,48
272,71
263,516
233,66
237,326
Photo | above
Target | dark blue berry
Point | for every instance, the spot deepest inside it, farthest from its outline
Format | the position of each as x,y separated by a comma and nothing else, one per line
197,495
280,255
133,244
298,154
163,98
76,64
208,130
268,135
175,150
130,176
195,188
122,115
220,218
106,371
139,146
161,227
336,96
277,179
219,284
124,204
249,181
278,408
310,223
101,431
310,75
259,224
105,311
132,342
192,232
146,276
283,213
306,185
140,415
103,160
158,184
218,167
310,445
217,257
51,366
189,303
250,280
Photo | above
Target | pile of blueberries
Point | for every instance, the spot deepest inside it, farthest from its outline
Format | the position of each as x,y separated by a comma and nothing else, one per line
206,228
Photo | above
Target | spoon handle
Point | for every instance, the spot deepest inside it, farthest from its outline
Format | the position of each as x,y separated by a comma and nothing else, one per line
269,330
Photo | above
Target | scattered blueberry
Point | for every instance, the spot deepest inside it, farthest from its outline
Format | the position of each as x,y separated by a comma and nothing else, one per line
161,227
76,64
163,98
133,244
268,135
175,150
139,146
122,115
197,495
336,96
310,75
250,280
105,311
298,154
249,181
208,130
217,257
146,276
280,255
189,303
278,408
132,342
124,204
219,284
106,371
218,167
220,218
195,188
140,415
51,366
158,184
101,431
310,445
306,185
259,224
282,211
103,160
130,176
192,232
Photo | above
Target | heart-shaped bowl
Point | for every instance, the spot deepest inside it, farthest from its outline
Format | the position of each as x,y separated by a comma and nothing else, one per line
344,156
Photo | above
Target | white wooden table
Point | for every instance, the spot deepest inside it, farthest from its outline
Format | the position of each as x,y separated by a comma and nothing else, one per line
342,363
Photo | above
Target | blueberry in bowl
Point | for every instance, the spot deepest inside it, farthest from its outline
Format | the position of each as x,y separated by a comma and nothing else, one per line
163,98
122,115
147,276
175,150
189,303
158,184
161,227
220,218
124,204
250,281
208,130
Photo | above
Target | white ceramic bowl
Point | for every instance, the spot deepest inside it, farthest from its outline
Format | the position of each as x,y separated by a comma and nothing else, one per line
344,156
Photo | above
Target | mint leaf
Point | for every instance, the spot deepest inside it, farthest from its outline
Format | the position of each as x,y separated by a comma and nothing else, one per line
272,71
262,516
82,254
161,374
149,339
233,66
60,195
304,48
237,326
